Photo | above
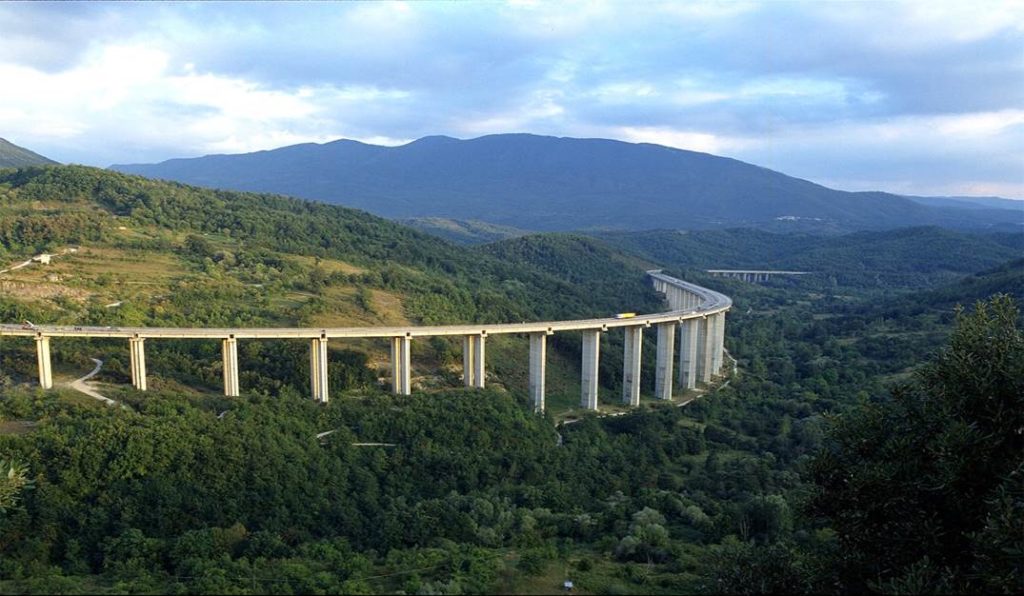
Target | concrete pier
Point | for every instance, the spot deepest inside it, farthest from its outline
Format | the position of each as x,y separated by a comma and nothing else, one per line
478,358
705,349
401,361
396,369
632,346
318,369
43,358
589,376
688,354
538,363
229,354
136,347
663,370
718,353
468,365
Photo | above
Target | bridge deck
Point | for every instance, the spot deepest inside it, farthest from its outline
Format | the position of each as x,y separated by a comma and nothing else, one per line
713,302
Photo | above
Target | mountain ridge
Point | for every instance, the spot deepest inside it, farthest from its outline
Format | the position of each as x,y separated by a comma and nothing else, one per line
548,183
14,156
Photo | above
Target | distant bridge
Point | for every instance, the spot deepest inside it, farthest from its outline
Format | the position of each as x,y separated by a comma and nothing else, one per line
753,275
698,313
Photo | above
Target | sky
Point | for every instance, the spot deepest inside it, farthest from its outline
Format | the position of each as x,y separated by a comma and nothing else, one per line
913,98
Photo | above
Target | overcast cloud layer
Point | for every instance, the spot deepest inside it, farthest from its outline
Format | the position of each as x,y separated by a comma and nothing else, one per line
917,98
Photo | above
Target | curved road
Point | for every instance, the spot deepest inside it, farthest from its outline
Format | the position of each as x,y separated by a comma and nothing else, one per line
79,384
711,303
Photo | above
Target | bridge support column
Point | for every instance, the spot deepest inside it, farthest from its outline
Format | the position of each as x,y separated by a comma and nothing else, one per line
401,360
318,369
663,371
705,348
229,354
688,354
468,356
473,360
591,360
43,358
717,347
538,361
631,365
137,350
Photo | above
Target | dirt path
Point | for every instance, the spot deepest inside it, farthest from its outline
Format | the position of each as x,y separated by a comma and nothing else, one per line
81,386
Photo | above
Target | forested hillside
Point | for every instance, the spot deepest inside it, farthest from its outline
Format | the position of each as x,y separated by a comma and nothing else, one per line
132,251
905,258
556,184
742,489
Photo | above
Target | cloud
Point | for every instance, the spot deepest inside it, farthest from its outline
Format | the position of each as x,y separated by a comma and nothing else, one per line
901,94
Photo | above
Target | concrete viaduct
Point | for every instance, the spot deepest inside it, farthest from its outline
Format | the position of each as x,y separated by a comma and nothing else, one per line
696,312
750,275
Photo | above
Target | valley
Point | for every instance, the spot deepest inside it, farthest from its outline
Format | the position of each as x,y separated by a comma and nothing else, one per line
578,297
447,489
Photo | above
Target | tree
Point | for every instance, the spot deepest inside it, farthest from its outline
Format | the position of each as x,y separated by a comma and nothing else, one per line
13,481
910,483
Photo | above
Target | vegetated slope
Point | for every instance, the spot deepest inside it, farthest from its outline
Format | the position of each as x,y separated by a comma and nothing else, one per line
133,251
909,257
463,231
1007,278
548,183
13,156
971,202
83,204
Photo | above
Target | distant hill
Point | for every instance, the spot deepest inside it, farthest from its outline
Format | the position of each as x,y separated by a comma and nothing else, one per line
13,156
971,202
911,257
1007,278
547,183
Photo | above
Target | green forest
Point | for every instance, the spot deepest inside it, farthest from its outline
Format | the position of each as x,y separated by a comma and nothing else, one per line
869,439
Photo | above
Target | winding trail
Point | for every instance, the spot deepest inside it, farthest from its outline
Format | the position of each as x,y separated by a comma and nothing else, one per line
81,386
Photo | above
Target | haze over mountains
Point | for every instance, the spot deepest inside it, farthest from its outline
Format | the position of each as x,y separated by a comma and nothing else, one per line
549,183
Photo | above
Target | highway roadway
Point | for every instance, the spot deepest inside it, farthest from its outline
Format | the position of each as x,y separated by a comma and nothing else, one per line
712,303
